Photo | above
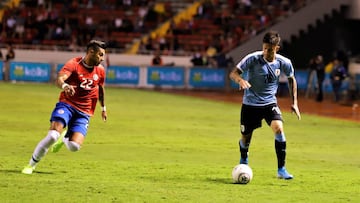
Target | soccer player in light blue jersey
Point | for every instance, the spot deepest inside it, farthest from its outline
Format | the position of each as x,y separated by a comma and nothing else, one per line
258,75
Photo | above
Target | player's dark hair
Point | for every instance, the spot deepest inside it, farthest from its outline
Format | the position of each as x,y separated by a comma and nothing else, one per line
96,44
272,37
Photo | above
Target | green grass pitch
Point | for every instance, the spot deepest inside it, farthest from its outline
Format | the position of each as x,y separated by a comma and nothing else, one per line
157,147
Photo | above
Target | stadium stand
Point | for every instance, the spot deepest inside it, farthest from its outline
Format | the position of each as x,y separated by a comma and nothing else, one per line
68,24
216,26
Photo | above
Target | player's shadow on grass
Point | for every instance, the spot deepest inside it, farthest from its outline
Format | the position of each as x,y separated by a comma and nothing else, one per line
220,180
19,171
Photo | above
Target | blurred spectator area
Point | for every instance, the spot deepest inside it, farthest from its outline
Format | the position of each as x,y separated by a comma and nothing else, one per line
218,25
7,4
70,24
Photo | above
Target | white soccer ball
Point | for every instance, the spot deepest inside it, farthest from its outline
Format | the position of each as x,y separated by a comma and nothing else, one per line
242,174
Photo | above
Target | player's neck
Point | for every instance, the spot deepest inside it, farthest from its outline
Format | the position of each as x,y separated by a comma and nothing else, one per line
86,65
269,60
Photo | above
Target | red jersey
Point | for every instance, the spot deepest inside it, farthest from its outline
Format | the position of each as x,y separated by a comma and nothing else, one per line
86,82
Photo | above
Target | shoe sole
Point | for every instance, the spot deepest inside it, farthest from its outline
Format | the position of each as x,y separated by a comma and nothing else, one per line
27,172
281,177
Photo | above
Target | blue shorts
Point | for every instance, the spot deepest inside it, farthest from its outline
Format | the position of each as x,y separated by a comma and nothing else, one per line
75,120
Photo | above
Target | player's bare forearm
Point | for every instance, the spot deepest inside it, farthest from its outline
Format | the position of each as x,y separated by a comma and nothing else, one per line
102,102
293,94
68,89
293,89
102,96
61,80
235,75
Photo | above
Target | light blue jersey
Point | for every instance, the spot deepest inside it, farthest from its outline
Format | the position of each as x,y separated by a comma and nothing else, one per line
263,77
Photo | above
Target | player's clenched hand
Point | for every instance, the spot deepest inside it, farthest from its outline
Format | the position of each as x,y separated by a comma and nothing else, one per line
244,84
295,109
104,115
69,90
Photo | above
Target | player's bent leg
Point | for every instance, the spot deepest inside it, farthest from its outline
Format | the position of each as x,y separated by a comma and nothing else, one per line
72,146
280,149
244,144
59,143
74,143
244,153
41,150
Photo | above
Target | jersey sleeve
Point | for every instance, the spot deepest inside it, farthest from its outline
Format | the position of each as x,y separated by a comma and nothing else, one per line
68,68
248,60
102,74
287,68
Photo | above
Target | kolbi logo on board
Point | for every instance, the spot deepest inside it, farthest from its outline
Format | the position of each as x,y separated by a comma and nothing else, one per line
155,75
123,75
35,71
19,71
166,76
127,75
208,77
24,71
170,76
204,77
197,77
110,74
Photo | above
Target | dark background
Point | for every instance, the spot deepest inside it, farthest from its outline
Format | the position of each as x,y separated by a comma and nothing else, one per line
333,34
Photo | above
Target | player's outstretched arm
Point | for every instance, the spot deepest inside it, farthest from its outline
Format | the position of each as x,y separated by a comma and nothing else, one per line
293,94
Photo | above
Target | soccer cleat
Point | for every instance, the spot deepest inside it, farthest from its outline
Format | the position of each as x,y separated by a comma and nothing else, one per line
58,144
28,169
244,161
283,174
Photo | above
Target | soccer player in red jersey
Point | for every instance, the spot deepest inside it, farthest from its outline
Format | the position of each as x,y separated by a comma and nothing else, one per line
82,82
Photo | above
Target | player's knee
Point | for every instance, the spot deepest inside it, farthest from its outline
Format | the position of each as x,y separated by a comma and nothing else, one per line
277,129
246,137
73,146
246,132
277,126
53,135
